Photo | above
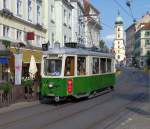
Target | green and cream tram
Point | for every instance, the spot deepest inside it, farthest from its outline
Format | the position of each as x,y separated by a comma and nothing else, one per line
75,72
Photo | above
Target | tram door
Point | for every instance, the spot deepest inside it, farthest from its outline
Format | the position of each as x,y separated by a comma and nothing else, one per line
69,66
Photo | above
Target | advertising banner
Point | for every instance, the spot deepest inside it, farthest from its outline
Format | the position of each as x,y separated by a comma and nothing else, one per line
18,68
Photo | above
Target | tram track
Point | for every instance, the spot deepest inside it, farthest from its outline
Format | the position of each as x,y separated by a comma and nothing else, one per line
8,124
122,111
74,114
87,109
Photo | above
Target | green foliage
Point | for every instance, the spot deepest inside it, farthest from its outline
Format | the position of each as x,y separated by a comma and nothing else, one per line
6,43
6,87
103,47
148,59
28,82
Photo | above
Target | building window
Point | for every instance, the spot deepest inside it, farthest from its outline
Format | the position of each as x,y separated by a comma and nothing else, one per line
5,31
147,33
19,7
81,66
4,4
19,35
52,13
69,20
95,66
30,10
147,42
103,65
53,38
69,39
38,41
118,35
118,29
65,38
118,56
38,13
65,17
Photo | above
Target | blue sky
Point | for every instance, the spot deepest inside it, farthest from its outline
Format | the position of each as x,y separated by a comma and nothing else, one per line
109,11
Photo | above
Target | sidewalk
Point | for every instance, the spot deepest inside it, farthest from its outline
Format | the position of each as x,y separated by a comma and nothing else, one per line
18,105
140,119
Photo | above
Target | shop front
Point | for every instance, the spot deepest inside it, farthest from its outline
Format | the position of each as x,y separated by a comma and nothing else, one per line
27,53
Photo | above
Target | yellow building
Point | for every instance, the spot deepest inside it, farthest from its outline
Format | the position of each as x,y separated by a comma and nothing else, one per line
18,19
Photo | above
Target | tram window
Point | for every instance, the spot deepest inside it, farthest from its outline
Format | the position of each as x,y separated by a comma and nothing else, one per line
103,65
95,69
81,66
69,66
52,67
109,65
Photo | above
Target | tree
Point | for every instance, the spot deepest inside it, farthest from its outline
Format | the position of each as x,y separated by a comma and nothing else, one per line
103,47
148,59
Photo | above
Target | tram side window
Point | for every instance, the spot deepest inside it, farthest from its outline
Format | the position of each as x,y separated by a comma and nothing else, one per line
109,65
69,66
95,66
81,66
103,65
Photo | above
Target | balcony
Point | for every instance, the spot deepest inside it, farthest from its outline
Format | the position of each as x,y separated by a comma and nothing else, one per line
6,12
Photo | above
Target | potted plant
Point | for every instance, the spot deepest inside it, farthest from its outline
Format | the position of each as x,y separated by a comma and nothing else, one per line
5,87
27,83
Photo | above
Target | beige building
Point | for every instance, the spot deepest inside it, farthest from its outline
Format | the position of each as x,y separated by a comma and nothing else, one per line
20,21
130,37
142,44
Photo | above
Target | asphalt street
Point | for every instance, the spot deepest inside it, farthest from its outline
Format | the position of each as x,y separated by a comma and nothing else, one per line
105,111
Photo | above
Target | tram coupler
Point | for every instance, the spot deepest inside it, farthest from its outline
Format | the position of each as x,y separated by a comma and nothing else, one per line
57,98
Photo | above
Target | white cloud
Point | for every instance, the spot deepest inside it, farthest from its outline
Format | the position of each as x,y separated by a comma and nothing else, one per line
109,40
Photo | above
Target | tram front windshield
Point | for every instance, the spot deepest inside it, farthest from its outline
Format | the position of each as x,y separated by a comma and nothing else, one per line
52,67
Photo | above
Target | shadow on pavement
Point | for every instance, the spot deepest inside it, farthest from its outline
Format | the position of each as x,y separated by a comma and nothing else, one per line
136,97
139,111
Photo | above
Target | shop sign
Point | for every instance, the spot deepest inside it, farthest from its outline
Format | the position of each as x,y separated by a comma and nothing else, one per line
18,68
3,60
30,35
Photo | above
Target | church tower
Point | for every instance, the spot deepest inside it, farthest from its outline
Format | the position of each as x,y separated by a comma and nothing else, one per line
119,46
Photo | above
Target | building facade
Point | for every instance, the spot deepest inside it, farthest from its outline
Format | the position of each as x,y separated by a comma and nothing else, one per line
92,28
119,45
130,40
142,45
58,21
130,37
19,19
78,22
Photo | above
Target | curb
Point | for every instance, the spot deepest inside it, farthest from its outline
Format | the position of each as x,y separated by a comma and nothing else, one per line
19,105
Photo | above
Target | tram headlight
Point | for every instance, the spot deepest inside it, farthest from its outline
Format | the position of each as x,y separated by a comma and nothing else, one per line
50,85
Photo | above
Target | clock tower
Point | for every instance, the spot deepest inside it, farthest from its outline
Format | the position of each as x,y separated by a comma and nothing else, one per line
119,46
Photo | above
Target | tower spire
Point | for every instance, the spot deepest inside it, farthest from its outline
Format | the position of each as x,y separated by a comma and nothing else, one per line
118,12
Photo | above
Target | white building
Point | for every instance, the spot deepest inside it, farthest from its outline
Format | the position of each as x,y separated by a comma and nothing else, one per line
20,20
92,28
58,21
119,45
78,22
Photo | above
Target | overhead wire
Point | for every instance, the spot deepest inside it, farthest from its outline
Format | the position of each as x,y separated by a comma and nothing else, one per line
130,15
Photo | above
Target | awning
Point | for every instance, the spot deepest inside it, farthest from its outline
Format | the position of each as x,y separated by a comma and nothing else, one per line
3,60
3,38
27,54
4,53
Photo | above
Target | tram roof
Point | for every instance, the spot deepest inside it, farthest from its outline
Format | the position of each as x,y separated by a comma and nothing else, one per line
76,51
